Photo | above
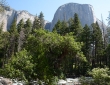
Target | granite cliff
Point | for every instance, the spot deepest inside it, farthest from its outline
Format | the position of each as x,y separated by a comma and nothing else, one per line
9,14
64,12
85,13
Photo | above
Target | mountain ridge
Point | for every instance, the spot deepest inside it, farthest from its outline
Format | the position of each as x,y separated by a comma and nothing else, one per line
85,12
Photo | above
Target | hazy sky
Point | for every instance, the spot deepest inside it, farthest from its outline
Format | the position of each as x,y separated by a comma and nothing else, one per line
49,7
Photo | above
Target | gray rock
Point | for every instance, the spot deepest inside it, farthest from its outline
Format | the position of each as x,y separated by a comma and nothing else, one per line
10,14
1,83
7,17
47,25
5,81
102,26
65,12
24,15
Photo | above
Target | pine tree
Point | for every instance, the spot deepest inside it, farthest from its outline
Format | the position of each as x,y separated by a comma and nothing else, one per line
20,25
107,55
27,27
97,42
61,27
41,18
70,24
20,28
24,30
1,45
86,39
5,48
13,38
77,29
13,28
58,27
36,24
64,28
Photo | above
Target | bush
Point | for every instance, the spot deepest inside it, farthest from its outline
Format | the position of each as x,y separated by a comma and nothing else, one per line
101,76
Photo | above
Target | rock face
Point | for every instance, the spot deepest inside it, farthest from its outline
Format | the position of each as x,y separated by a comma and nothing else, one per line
65,12
47,25
9,15
24,15
5,81
102,26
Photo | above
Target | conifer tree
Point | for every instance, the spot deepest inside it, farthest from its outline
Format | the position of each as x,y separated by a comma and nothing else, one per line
13,28
61,27
4,44
86,39
41,18
77,29
64,28
4,49
13,38
27,27
1,45
58,27
20,28
97,42
20,25
70,24
36,24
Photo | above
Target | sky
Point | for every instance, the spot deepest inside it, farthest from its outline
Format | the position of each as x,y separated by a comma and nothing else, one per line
49,7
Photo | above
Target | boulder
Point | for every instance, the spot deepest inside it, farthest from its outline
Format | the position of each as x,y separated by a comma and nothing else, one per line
6,81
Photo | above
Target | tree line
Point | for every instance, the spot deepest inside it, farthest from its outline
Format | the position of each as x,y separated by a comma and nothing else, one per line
29,52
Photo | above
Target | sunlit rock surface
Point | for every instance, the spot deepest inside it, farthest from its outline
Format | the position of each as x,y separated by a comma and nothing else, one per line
65,12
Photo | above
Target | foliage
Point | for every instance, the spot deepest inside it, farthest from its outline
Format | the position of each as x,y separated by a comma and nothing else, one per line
107,55
36,24
41,18
54,80
19,66
101,76
86,37
50,50
27,27
3,4
52,55
4,45
20,25
58,27
97,43
61,27
13,39
76,26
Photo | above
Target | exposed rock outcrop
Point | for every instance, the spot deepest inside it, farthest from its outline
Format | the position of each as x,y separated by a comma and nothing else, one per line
9,15
47,25
65,12
5,81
